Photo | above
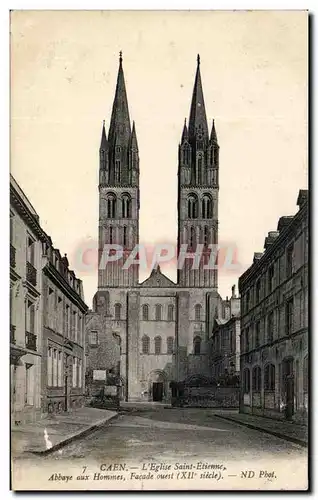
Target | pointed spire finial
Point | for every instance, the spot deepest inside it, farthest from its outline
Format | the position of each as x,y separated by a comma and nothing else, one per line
120,122
213,133
184,136
103,123
120,56
133,137
197,118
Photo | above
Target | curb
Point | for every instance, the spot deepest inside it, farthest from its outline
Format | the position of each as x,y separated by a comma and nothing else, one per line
212,408
73,437
300,442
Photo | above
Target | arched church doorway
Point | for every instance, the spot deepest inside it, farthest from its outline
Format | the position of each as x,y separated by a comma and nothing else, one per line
157,386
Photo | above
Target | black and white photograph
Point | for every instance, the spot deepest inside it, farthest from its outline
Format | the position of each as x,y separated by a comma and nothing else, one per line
159,241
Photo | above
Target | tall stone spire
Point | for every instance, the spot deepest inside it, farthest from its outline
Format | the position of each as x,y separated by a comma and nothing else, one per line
198,119
133,139
103,142
184,136
213,137
119,130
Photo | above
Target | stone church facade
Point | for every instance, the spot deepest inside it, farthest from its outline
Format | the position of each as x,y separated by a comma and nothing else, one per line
162,327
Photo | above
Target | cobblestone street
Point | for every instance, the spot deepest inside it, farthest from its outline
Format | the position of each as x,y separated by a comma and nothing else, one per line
174,436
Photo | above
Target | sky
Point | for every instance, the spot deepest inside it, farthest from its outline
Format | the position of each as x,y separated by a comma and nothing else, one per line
254,72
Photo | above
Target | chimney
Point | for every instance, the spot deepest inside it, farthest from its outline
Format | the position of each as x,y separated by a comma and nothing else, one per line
257,256
302,197
269,240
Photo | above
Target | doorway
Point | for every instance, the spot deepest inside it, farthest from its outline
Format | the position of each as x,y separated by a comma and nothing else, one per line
157,391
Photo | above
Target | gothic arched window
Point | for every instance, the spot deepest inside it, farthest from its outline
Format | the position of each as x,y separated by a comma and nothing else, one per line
117,311
192,206
246,380
170,312
256,379
186,154
197,312
134,159
111,234
269,377
126,206
111,206
145,344
170,345
118,340
145,312
158,345
117,171
207,210
197,345
199,165
206,236
158,312
192,237
125,236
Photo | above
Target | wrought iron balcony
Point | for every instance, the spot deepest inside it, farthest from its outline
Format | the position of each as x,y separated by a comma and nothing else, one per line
12,256
30,341
31,273
12,334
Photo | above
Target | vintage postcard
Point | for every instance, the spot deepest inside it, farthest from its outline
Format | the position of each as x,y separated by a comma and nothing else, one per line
159,250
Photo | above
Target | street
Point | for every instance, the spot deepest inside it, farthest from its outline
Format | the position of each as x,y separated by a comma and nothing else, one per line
158,434
172,436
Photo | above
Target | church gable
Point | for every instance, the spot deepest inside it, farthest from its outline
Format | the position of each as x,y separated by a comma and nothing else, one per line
157,279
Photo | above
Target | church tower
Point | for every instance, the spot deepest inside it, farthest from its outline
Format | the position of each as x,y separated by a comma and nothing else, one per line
118,191
198,186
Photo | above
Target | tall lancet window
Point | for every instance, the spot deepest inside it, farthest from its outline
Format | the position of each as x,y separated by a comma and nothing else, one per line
134,159
192,207
207,211
117,171
206,236
111,234
198,176
126,206
186,155
125,239
192,237
111,206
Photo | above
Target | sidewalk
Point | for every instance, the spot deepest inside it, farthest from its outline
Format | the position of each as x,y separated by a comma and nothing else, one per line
280,428
61,429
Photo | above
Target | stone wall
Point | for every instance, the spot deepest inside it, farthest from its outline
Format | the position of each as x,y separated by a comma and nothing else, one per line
213,397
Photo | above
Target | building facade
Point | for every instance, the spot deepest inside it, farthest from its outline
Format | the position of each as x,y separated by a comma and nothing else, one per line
274,322
47,315
162,326
103,351
63,358
26,240
224,342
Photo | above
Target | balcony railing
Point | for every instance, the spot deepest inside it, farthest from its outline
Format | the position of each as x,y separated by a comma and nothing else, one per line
12,334
31,273
12,256
30,341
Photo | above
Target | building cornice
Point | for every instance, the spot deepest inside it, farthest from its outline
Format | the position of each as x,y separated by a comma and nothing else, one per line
50,271
30,219
255,268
